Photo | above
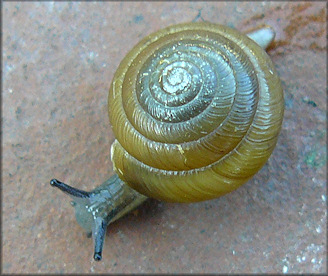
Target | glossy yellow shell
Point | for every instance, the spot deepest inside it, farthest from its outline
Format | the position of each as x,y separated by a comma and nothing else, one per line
196,109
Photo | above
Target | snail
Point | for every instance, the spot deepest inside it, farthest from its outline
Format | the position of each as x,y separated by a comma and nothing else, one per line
196,109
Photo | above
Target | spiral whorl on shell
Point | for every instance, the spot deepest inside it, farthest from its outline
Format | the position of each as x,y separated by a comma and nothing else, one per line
196,110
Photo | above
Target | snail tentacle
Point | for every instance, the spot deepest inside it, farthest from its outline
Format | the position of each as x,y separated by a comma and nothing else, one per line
73,192
99,237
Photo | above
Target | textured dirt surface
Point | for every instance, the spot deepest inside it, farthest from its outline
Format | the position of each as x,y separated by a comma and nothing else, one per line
58,61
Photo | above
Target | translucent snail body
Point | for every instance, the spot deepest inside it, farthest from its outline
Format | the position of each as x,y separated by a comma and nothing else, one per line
196,110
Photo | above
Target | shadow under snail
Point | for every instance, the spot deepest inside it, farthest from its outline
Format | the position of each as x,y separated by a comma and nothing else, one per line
196,110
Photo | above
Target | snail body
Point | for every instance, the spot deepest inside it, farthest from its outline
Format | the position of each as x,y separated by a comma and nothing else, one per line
196,110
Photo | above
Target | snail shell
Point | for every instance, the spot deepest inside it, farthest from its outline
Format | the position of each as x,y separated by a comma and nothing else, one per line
196,110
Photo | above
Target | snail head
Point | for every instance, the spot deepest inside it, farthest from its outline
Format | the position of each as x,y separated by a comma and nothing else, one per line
92,212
